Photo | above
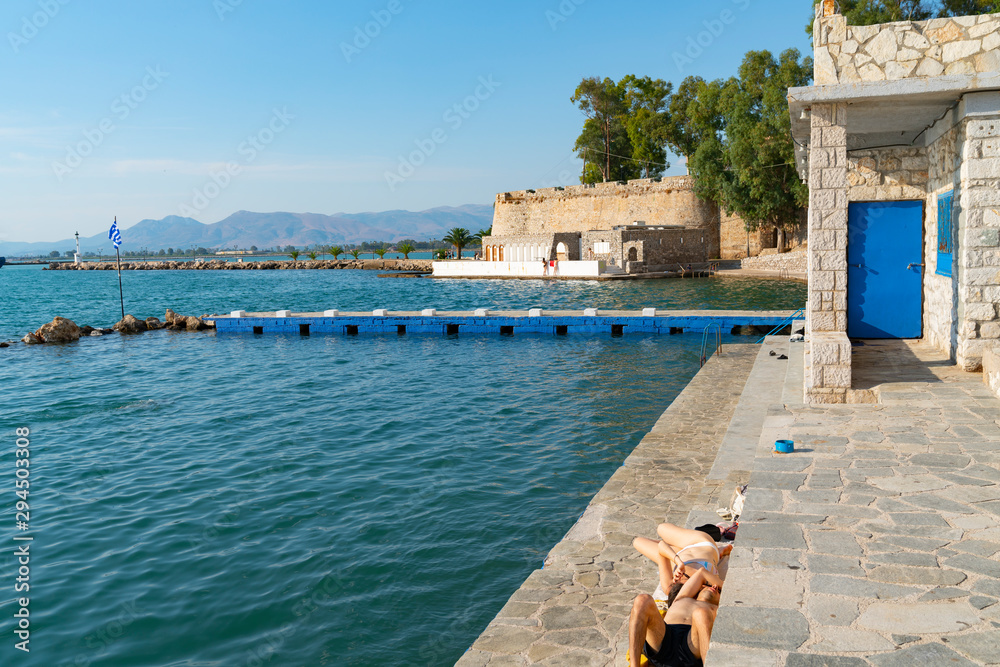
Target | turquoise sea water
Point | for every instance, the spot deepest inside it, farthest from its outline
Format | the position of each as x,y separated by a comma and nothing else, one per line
237,500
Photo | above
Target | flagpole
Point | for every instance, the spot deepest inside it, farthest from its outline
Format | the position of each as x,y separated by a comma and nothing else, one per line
121,294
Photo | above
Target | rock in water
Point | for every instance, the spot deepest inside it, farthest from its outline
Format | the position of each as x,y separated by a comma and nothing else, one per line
130,325
59,330
169,317
195,324
86,331
4,344
153,323
31,339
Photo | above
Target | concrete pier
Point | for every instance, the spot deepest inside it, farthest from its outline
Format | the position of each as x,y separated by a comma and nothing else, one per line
876,543
484,321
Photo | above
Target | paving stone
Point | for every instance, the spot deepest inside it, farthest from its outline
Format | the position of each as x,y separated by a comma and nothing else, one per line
949,461
780,559
763,516
561,618
819,496
825,481
963,480
868,436
970,563
845,511
920,576
859,588
505,640
836,543
901,640
927,544
972,494
935,502
819,564
780,536
726,655
821,441
772,498
847,640
919,618
757,627
783,464
574,659
902,558
978,547
777,480
943,594
831,610
979,646
588,638
918,519
915,531
983,471
911,484
981,601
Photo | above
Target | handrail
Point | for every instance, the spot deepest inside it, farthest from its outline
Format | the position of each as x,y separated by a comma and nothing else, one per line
783,323
704,341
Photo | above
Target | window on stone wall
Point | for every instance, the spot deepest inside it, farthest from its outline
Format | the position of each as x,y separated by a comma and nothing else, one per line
945,250
602,247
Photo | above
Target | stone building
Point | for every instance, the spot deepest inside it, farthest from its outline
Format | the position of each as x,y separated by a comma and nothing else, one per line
638,226
900,143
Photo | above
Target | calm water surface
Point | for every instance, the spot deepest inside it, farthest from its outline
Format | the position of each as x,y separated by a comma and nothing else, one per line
237,500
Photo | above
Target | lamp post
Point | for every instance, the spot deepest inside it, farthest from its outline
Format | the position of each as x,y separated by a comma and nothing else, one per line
100,255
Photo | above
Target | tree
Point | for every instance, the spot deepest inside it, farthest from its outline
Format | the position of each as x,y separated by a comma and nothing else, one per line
336,251
968,7
745,159
253,248
312,255
870,12
354,252
458,237
604,140
295,257
406,248
380,251
54,253
170,251
478,236
646,122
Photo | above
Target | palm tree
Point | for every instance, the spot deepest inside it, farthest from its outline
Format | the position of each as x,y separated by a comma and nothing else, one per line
381,252
354,253
458,237
312,255
406,248
481,233
295,257
336,251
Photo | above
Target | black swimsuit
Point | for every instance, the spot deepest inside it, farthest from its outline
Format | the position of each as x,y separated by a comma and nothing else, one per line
674,652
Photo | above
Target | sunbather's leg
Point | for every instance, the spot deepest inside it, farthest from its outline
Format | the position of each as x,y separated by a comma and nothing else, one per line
645,626
679,537
650,549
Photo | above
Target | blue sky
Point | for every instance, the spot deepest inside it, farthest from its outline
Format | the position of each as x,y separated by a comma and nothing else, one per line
144,109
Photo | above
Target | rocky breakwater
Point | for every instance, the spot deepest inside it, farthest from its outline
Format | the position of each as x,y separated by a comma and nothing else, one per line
62,330
275,265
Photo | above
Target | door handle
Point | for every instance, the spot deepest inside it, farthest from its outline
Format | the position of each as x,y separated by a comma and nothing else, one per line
857,266
911,265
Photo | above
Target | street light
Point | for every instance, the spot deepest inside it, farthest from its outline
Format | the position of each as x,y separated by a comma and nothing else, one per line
100,255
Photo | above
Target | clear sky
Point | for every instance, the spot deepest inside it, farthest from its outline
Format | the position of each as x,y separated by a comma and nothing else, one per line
149,108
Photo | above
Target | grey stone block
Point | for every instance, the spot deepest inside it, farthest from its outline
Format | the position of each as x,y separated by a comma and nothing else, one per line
981,601
903,558
902,640
783,464
562,618
758,627
978,547
933,501
780,559
849,640
809,660
918,519
926,544
831,610
818,564
918,618
777,480
818,496
979,646
779,536
949,461
970,563
859,588
756,589
835,543
936,594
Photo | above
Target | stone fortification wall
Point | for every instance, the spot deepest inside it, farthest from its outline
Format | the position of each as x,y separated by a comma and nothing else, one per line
906,49
733,238
582,208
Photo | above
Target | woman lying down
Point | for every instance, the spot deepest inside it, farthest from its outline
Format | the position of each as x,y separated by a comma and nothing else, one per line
680,552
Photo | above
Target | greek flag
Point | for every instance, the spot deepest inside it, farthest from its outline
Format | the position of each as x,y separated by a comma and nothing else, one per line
115,235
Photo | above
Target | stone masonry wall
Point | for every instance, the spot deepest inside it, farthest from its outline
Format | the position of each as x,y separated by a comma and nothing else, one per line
793,262
941,292
887,174
828,363
906,49
977,254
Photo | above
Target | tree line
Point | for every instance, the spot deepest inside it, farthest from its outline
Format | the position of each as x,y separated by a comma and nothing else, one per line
734,133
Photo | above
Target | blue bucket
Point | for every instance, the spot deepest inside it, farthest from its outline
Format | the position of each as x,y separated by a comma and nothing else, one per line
784,446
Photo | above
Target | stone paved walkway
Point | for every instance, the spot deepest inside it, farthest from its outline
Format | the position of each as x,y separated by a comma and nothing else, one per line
575,611
878,541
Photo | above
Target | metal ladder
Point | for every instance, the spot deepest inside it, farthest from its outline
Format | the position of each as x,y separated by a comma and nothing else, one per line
705,339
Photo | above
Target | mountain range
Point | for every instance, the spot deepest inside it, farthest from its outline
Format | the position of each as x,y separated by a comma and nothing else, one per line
266,230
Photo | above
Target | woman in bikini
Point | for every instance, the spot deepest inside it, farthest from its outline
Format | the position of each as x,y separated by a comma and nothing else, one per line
681,551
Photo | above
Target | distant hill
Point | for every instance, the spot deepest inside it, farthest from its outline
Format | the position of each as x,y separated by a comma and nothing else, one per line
265,230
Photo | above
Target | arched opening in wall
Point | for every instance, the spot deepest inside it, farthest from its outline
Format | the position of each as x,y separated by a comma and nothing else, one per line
633,254
501,254
769,238
562,252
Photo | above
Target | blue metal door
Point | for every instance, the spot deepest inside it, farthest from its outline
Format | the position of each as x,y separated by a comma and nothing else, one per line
885,269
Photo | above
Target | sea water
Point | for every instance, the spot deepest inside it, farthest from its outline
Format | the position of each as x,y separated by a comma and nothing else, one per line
204,499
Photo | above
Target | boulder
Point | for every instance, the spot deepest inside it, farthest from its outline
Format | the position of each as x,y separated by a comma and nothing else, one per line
169,317
31,339
130,325
4,345
86,331
195,324
154,323
59,330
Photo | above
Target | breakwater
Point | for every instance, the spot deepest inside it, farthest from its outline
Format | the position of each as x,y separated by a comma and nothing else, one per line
419,265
